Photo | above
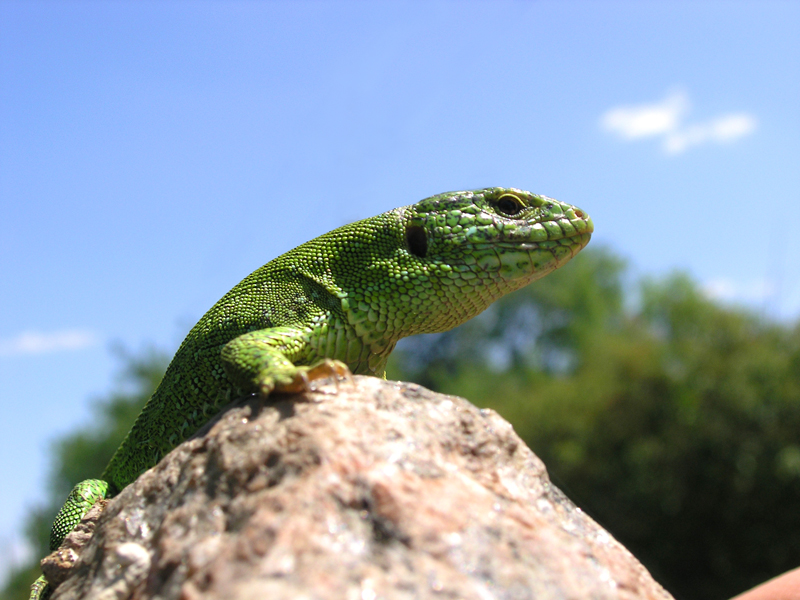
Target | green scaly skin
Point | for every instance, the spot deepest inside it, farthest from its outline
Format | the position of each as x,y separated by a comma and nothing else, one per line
341,302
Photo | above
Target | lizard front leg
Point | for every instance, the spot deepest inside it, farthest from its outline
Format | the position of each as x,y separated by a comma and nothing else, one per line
272,359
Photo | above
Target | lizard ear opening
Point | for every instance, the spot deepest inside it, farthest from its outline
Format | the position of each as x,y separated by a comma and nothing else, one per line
417,240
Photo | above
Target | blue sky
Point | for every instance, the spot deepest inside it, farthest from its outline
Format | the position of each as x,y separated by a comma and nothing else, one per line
154,153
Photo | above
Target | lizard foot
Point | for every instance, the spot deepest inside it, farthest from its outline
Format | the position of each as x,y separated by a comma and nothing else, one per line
313,378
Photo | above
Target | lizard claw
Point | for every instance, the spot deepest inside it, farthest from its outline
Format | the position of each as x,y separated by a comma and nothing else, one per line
313,378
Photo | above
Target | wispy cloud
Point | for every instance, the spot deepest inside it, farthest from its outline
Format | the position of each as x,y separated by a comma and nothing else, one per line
748,292
34,342
665,120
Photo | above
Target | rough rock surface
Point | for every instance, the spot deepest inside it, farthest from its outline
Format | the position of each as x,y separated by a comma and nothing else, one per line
379,490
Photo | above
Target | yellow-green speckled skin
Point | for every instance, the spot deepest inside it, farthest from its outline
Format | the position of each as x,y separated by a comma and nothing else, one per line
348,295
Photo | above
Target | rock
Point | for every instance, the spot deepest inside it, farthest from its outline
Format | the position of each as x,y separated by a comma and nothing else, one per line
373,490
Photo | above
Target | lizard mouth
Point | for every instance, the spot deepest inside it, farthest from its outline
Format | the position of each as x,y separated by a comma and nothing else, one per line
577,230
518,258
568,227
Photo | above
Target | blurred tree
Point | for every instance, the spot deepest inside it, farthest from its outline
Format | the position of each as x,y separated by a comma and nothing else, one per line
670,418
544,326
85,453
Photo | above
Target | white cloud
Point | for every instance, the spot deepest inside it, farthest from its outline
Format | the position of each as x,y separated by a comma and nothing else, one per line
33,342
647,120
14,552
748,292
721,130
664,120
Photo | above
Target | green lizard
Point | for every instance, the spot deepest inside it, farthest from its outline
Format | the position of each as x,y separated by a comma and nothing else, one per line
339,304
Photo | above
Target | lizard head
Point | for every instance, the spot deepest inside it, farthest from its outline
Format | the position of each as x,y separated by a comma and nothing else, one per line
482,244
505,231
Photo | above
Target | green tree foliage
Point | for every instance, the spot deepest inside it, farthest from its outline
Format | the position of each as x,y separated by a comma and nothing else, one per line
670,418
85,453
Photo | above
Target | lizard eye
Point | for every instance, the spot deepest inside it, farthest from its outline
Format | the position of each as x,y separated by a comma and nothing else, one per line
417,240
509,205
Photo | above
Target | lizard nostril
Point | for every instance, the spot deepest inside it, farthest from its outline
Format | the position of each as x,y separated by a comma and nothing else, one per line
580,214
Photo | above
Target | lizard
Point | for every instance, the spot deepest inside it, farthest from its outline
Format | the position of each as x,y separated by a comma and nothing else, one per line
337,305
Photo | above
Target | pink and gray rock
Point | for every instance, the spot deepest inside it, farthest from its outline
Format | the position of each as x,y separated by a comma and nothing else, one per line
377,490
